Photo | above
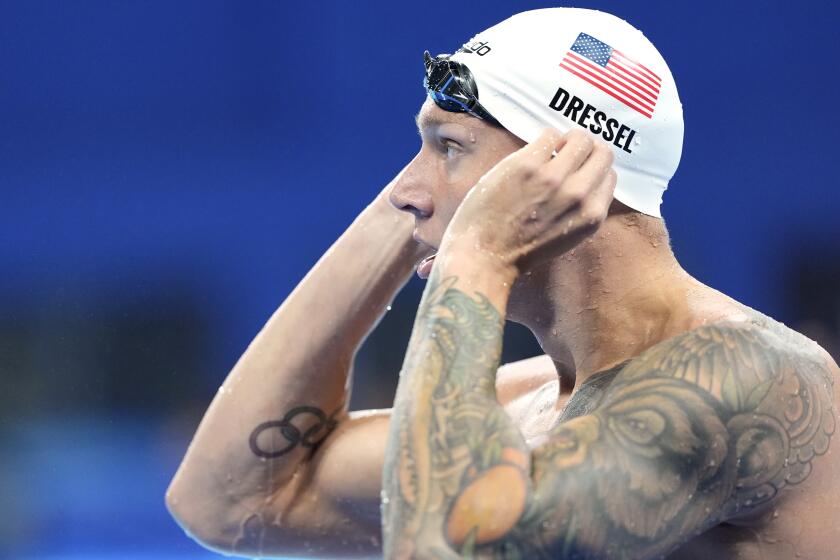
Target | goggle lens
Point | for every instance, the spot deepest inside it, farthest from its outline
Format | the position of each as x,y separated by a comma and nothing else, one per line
445,85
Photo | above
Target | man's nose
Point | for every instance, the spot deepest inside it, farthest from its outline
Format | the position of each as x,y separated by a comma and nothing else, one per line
410,191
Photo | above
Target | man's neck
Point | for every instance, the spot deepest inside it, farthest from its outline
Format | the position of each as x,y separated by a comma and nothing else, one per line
612,297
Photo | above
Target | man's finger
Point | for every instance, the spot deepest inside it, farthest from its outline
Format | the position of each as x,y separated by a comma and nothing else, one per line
544,146
599,161
601,196
577,145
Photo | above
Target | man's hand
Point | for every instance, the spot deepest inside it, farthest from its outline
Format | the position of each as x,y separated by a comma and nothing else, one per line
534,205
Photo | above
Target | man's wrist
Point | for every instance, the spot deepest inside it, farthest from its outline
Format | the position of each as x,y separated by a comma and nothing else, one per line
464,257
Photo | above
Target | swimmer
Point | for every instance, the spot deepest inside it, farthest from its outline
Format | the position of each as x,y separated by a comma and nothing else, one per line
665,419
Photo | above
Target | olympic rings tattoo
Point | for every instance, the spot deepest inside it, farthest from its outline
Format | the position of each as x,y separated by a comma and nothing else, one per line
310,437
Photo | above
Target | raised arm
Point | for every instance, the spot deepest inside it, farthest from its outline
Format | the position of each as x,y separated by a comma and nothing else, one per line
710,425
290,388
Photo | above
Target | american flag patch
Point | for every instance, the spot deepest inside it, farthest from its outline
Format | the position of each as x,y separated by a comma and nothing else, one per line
609,70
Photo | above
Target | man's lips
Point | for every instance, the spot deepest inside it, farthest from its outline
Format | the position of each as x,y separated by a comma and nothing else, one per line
425,266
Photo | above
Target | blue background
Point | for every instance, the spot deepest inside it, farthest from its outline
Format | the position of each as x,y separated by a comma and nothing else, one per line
170,170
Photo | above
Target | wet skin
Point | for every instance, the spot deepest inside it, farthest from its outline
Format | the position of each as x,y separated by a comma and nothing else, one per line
715,421
712,438
797,519
719,428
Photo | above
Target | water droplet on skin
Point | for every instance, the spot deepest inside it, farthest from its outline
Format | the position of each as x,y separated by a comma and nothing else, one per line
388,308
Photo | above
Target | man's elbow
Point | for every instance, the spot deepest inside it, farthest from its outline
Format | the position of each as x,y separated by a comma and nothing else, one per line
207,530
235,530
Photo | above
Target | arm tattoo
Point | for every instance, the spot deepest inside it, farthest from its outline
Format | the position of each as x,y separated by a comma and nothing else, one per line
451,442
700,428
306,426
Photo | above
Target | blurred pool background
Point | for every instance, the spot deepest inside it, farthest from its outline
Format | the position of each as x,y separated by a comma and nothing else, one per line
170,170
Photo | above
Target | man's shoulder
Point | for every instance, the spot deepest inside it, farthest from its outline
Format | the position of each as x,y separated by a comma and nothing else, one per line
759,392
749,370
751,349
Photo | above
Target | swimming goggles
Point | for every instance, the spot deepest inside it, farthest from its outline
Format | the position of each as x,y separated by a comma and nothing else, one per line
451,85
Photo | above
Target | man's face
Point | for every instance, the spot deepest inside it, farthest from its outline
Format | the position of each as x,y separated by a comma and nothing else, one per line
457,150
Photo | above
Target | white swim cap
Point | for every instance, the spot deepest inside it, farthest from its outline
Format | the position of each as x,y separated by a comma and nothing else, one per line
569,67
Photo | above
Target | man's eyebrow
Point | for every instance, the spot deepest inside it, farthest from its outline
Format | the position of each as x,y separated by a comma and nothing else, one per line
424,120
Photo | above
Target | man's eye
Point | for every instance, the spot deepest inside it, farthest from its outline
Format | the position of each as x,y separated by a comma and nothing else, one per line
450,147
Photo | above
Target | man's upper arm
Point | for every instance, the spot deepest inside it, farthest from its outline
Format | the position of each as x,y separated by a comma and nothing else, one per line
332,507
697,430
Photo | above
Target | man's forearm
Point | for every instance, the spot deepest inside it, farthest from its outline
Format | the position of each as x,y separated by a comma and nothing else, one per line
449,435
285,392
